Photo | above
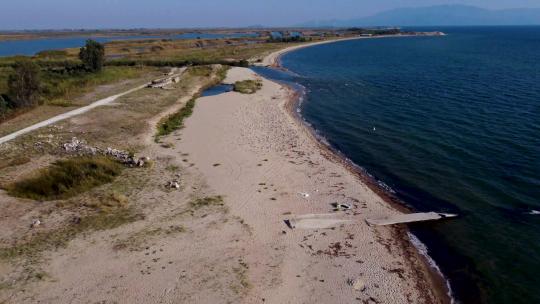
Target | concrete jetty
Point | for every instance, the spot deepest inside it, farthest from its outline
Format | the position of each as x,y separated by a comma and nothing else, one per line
409,218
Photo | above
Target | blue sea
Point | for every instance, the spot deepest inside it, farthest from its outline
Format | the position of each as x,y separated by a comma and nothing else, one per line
449,124
33,46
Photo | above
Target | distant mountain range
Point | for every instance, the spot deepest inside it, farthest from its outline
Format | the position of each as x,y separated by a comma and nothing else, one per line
454,15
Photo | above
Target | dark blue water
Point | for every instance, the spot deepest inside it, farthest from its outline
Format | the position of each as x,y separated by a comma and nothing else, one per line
451,124
33,46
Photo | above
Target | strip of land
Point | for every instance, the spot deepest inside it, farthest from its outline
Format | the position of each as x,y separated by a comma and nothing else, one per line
244,167
272,59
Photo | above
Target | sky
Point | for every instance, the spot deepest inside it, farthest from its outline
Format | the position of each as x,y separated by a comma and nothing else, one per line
95,14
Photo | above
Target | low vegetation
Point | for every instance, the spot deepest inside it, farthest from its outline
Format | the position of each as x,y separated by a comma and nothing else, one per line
289,39
136,241
175,121
16,161
242,285
208,201
43,241
247,86
67,178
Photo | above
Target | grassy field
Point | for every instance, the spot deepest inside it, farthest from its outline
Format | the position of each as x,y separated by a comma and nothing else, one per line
63,80
196,51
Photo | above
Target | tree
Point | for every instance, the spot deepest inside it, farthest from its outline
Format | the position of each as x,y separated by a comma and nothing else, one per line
93,55
3,107
24,84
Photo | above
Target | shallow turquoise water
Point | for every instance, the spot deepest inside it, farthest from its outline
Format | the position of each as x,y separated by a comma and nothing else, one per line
450,124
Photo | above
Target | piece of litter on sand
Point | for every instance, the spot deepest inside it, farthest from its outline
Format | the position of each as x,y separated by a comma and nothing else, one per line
173,184
35,223
315,221
341,206
357,284
534,212
304,194
409,218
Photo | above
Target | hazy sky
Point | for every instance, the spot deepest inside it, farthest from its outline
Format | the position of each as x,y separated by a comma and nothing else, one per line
39,14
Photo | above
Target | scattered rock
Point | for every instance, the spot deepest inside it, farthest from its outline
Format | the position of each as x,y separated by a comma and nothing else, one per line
174,184
342,206
304,194
35,223
80,147
357,284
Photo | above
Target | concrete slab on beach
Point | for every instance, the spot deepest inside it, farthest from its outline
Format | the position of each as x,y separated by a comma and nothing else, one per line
409,218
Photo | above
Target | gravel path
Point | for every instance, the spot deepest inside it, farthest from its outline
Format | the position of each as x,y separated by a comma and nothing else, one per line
75,112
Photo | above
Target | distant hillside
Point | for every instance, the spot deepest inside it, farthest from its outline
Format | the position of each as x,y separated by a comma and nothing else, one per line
440,15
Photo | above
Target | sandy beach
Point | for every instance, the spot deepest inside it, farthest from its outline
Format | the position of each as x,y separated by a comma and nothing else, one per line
252,222
273,58
265,163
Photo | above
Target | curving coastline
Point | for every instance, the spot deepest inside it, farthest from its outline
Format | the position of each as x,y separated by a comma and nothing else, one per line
272,59
428,274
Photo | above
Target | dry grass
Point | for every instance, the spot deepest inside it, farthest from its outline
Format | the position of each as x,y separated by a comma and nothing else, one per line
17,161
136,241
67,178
209,201
196,50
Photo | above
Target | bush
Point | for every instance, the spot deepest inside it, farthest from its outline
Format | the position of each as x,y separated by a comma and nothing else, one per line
156,48
3,107
247,86
243,63
24,84
92,55
175,121
67,178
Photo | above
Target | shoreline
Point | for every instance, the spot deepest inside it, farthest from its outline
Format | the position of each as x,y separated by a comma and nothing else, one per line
273,59
269,169
437,280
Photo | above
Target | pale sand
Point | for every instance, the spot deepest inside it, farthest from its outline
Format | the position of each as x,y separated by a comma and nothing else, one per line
273,58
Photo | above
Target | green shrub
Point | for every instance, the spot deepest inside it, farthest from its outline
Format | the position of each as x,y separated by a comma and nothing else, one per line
247,86
93,55
4,107
24,83
67,178
176,121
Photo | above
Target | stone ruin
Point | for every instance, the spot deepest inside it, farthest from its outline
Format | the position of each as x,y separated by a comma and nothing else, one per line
80,147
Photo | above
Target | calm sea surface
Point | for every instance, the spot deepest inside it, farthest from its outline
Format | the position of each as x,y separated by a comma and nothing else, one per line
33,46
450,124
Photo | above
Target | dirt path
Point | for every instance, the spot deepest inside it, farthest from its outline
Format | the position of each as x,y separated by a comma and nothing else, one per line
75,112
